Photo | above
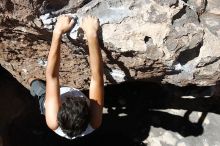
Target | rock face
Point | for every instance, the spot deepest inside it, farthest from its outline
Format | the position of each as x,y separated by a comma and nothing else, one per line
167,41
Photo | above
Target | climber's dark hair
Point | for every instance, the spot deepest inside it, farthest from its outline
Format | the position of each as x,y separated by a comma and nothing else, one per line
73,115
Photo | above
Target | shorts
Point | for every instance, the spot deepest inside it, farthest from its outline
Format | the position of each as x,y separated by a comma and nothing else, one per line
38,90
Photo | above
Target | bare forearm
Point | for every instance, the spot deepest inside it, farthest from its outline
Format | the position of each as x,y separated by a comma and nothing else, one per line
97,84
54,57
52,102
96,63
90,26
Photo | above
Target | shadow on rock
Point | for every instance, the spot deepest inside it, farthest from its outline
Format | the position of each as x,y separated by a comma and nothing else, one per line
22,125
132,108
19,115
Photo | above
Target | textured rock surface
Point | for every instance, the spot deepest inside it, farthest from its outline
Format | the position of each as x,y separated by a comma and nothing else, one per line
163,41
160,137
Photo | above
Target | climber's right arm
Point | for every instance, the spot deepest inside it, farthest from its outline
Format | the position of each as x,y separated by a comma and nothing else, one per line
52,101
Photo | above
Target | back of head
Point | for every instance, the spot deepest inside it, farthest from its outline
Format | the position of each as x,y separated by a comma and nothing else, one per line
73,116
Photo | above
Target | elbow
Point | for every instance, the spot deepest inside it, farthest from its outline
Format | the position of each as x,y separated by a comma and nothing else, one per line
53,125
51,114
97,124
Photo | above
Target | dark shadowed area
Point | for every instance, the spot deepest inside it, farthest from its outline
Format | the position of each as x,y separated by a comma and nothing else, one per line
131,108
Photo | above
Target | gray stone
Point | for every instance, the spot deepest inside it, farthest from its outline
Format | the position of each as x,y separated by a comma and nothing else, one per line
162,137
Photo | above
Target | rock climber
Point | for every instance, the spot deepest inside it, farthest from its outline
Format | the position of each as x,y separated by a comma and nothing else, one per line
68,112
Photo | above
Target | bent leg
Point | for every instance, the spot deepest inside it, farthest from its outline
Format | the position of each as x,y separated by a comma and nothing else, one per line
38,89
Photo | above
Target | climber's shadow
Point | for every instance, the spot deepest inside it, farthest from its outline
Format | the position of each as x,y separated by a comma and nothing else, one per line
19,114
133,107
22,125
